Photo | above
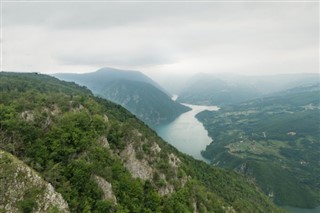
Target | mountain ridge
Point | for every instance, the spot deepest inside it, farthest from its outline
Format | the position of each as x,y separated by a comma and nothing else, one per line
221,90
135,91
109,74
88,147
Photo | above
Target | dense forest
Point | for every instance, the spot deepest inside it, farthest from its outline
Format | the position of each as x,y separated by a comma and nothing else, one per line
147,102
274,140
101,158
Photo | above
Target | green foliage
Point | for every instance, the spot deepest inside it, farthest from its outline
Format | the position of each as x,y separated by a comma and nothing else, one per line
29,203
132,90
59,128
144,100
54,210
274,140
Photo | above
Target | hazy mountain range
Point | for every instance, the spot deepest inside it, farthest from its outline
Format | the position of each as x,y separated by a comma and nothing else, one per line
132,90
223,89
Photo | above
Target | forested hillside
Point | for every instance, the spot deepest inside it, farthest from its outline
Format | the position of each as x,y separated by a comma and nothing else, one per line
274,140
101,158
133,90
148,103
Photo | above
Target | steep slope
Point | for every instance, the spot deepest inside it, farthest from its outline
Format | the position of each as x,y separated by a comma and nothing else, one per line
102,159
132,90
275,140
209,89
23,190
147,102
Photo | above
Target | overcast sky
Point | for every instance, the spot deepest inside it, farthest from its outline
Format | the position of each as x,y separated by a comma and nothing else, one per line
154,37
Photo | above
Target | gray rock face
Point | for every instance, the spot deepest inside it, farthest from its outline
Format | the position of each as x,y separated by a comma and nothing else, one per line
27,116
142,165
137,168
106,187
18,181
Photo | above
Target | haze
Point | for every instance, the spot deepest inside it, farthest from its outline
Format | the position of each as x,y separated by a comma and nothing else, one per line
161,37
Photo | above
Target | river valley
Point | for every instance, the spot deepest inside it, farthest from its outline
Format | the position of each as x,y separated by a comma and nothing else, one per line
186,133
189,136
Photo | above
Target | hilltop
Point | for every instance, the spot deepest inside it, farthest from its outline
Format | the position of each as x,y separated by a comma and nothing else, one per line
133,90
101,158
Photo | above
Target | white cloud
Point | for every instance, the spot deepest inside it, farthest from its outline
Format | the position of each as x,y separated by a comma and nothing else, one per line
162,37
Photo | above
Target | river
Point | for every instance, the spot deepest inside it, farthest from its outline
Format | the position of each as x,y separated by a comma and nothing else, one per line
189,136
186,133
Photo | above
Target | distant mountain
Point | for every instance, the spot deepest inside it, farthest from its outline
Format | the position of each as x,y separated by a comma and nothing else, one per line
94,80
274,140
224,89
74,152
132,90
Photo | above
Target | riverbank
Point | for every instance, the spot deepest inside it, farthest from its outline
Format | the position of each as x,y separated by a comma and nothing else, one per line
186,133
